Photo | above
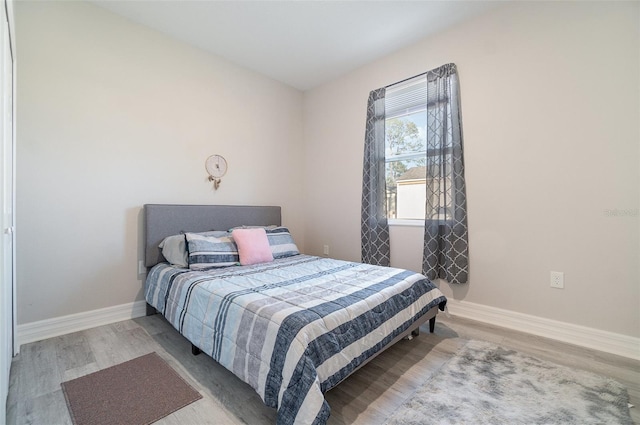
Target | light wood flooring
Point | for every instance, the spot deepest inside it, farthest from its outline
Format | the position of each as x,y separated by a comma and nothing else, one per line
367,397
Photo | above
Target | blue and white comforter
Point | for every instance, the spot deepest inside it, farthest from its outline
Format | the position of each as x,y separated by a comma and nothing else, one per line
295,327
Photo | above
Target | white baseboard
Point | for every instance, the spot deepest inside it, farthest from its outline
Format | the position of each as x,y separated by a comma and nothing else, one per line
43,329
596,339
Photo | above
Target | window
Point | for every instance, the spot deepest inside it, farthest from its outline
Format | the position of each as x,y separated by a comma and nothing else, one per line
412,167
413,148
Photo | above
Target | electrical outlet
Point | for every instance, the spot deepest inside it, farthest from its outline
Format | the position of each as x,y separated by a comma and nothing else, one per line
557,280
325,250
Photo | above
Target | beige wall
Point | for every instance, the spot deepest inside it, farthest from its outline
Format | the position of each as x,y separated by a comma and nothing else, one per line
551,107
112,116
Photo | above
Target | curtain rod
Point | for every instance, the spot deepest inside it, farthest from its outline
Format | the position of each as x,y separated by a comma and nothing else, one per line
451,68
406,79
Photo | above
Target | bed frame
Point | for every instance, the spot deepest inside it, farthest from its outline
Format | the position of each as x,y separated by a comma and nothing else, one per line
162,220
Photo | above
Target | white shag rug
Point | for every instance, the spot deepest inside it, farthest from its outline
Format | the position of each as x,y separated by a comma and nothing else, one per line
487,384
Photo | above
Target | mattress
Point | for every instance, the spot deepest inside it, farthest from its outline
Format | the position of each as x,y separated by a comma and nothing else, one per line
295,327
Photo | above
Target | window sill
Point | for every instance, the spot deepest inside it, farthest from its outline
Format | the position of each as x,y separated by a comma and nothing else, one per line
407,223
415,223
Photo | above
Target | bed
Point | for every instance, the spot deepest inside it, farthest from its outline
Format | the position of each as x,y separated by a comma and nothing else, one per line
292,328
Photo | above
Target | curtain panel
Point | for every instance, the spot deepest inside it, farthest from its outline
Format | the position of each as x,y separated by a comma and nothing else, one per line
445,254
374,225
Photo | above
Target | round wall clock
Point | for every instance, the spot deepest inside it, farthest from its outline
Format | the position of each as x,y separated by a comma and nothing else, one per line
216,166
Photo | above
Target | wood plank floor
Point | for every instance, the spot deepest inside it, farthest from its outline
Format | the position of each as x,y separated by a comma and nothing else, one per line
367,397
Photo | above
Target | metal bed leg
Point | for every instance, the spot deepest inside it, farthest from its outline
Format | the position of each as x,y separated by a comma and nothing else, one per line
432,324
195,350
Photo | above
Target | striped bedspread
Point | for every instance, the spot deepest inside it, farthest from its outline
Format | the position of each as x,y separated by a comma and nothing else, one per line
292,328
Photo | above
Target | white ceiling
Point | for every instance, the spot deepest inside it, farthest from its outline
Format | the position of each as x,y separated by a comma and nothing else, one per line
300,43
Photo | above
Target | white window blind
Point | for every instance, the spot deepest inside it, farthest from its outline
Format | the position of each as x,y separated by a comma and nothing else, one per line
406,97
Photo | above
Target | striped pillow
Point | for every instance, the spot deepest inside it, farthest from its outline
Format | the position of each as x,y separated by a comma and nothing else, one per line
208,251
174,248
281,242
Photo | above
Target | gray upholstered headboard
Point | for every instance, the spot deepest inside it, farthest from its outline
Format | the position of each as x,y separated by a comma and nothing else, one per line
162,220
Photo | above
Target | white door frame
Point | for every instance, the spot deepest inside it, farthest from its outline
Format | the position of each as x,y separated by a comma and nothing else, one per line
12,34
8,147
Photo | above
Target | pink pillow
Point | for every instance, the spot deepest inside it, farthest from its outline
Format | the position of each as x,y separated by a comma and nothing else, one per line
253,246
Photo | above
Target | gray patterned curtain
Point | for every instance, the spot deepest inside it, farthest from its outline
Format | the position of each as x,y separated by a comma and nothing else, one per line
446,254
375,228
